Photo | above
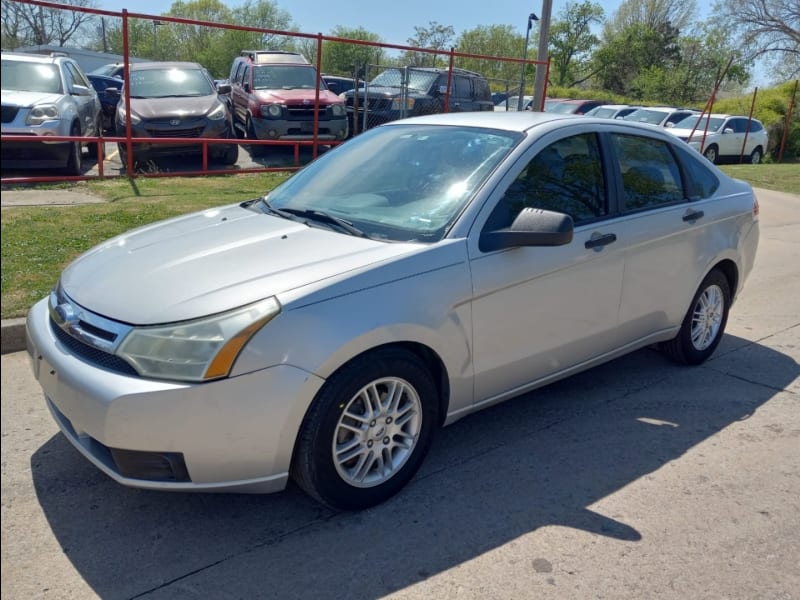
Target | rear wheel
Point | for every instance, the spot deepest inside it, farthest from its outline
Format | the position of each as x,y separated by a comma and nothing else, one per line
704,323
756,156
74,164
367,431
711,154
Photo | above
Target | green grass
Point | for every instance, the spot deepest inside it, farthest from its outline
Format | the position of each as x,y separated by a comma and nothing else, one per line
38,242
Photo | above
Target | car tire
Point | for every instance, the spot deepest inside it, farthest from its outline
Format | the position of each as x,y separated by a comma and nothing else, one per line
91,146
74,164
230,155
255,149
704,323
711,154
756,156
355,412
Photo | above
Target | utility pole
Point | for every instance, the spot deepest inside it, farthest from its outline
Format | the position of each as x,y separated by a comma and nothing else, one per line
541,68
531,18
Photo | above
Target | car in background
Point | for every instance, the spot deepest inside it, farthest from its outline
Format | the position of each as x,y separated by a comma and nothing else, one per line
338,84
512,103
550,103
275,97
43,96
397,93
108,102
573,106
110,70
175,100
724,137
419,272
611,111
659,116
499,97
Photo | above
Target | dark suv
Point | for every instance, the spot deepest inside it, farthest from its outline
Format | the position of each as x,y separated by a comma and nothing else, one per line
397,93
274,94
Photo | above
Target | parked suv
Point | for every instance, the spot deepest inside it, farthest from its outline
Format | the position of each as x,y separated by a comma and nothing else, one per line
274,96
724,136
397,93
46,96
176,100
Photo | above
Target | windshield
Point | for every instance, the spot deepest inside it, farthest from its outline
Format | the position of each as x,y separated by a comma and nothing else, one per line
169,82
108,70
566,108
24,76
699,123
642,115
403,183
421,81
285,77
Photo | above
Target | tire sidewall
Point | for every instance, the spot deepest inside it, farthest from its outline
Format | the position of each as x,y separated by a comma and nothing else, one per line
691,354
331,402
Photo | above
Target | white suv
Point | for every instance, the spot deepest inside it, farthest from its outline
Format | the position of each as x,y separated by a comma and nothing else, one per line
719,137
47,96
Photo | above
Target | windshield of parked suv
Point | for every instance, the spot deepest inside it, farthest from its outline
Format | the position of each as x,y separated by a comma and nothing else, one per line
284,77
420,81
24,76
169,82
699,123
642,115
402,183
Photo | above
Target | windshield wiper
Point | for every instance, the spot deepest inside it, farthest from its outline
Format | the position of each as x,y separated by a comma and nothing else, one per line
323,217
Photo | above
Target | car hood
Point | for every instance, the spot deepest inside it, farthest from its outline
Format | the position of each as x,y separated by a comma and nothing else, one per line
297,96
388,92
174,107
210,262
28,99
685,133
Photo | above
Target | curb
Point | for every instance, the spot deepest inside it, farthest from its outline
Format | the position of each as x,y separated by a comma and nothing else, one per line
13,335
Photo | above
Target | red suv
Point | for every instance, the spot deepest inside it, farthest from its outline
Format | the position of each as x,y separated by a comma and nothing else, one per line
274,95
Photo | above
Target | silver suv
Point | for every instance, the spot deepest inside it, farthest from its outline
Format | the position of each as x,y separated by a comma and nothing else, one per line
47,96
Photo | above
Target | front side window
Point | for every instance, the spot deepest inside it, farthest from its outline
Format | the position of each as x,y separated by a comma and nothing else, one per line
565,177
650,175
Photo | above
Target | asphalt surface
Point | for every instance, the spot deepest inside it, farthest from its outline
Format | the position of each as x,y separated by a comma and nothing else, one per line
639,479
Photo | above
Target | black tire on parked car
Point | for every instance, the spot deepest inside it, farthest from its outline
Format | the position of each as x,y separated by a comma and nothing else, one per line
756,156
255,149
367,431
711,154
230,155
74,164
91,147
704,323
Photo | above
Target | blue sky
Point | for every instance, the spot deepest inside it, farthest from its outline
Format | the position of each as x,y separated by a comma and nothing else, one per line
396,24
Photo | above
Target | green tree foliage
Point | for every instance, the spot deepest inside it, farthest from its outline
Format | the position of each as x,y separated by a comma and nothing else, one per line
493,40
766,29
572,42
434,37
343,58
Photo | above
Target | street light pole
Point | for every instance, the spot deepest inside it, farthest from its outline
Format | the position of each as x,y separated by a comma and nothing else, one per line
156,24
531,18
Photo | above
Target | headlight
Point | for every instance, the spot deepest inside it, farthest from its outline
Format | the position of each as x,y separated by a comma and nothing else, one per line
135,119
272,110
218,113
337,110
397,104
198,350
40,114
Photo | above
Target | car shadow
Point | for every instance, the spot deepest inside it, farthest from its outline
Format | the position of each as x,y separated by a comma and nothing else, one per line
542,459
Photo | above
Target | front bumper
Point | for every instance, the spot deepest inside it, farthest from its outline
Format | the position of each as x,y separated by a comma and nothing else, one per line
193,130
287,129
231,435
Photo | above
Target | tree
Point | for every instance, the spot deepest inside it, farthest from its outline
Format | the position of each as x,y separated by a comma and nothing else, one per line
572,42
433,37
680,14
493,40
28,24
767,29
342,57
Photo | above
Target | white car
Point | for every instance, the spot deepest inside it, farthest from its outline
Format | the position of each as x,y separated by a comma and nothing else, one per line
720,136
424,270
660,116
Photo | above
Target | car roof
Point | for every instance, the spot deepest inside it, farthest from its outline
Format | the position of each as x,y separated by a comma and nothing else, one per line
143,66
34,58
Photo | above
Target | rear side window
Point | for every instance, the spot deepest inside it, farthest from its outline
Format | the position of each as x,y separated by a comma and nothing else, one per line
650,174
700,182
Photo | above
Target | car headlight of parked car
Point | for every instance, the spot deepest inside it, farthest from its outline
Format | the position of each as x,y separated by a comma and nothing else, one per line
337,110
218,113
199,350
272,110
135,119
43,112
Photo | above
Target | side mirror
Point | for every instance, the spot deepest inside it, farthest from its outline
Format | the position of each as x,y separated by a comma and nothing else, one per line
246,88
727,130
80,90
113,92
531,227
224,88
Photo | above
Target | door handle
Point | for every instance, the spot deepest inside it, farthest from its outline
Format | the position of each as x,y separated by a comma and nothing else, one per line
597,241
693,215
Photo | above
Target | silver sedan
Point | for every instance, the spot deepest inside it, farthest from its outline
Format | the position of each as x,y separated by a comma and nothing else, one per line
420,272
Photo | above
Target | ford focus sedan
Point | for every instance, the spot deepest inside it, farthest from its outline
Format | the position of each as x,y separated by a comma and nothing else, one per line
416,274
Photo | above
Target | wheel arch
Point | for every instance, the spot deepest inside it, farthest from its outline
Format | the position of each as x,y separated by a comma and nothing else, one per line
731,272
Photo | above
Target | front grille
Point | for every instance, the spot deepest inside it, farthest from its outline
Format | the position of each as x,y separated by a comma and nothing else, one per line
151,466
92,355
10,113
305,113
372,103
194,132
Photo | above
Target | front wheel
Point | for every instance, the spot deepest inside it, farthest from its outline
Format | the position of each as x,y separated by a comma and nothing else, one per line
755,156
704,323
74,165
367,431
